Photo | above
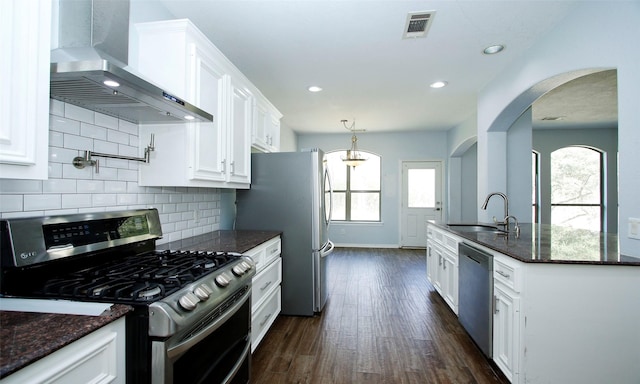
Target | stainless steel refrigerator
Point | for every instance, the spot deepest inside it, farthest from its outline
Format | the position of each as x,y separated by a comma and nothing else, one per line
291,192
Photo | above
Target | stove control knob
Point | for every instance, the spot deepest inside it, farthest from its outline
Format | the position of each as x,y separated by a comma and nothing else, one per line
202,292
247,266
188,301
222,280
238,270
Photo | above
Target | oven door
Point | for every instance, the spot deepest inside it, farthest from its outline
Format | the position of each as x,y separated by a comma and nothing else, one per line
216,351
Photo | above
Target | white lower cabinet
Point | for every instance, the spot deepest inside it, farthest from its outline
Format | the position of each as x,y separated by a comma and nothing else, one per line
266,297
96,358
442,264
506,330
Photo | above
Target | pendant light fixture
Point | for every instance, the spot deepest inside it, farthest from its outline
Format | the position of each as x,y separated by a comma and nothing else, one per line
354,157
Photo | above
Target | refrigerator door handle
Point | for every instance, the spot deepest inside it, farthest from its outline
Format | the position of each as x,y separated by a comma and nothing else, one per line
327,219
327,249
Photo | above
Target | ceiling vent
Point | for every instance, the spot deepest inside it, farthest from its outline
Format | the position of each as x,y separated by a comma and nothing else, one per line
418,24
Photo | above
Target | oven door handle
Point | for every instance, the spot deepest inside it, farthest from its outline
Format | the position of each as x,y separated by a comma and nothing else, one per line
238,365
179,349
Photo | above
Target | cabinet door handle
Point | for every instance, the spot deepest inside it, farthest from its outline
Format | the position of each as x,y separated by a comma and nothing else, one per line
224,166
274,250
265,320
439,260
495,304
233,167
265,286
444,265
503,274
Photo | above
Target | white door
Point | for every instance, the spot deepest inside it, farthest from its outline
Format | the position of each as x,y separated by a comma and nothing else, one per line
421,200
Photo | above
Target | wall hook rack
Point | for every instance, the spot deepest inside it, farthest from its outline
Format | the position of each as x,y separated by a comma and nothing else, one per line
82,161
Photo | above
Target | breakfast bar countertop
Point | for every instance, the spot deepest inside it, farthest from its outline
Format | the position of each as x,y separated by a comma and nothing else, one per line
544,243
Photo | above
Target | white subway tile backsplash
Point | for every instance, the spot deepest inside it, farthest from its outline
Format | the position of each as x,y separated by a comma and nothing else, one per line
56,139
117,137
146,198
93,131
106,173
76,113
62,155
78,142
20,186
11,203
55,170
127,150
56,107
127,127
127,174
77,201
42,202
74,130
90,186
160,198
59,186
103,199
64,125
105,147
127,199
71,172
106,121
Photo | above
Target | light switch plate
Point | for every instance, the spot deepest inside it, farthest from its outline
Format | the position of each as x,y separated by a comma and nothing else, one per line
634,228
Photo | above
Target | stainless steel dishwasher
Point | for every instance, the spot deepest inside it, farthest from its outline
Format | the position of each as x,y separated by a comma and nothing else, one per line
475,294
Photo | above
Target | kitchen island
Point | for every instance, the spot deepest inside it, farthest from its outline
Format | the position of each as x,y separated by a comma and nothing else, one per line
565,304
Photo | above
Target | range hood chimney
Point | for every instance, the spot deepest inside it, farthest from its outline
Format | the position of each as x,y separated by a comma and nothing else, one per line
92,57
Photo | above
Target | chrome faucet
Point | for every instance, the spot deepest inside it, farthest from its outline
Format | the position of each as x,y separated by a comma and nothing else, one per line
505,221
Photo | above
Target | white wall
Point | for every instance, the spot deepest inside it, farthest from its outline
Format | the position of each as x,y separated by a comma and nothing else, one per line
575,48
73,130
393,148
288,139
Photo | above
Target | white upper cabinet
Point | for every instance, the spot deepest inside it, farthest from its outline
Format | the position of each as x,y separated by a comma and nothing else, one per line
266,128
25,36
176,55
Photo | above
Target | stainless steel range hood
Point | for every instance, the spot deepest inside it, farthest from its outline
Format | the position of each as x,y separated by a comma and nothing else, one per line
92,57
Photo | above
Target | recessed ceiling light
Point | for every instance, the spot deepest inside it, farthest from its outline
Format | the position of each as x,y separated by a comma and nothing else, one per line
490,50
189,117
314,88
438,84
111,83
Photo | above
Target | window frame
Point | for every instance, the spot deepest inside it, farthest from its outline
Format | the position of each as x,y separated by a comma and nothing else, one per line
602,186
349,192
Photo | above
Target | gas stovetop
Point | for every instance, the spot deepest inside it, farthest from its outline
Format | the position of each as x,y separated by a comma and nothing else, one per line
136,279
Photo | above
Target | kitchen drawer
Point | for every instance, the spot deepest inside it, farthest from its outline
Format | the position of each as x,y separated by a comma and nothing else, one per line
265,316
273,250
265,252
508,272
451,243
264,283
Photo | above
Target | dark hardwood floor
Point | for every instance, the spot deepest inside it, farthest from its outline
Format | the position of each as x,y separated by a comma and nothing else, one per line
383,323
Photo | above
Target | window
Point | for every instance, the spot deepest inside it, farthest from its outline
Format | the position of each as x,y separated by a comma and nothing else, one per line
356,190
535,184
576,188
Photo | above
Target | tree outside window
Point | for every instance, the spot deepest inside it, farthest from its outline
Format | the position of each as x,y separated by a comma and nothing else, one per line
356,190
576,188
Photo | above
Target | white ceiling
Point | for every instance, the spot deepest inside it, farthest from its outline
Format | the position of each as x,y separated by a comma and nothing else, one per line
354,50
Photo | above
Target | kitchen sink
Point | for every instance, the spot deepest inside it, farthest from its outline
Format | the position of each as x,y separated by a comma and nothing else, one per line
475,228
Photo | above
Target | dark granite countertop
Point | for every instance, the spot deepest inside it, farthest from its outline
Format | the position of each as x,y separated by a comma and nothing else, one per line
223,241
543,243
26,337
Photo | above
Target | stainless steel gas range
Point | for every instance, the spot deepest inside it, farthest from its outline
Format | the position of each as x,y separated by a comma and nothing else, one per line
192,309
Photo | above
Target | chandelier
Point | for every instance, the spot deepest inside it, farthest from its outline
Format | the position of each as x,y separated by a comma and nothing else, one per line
354,157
